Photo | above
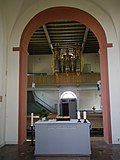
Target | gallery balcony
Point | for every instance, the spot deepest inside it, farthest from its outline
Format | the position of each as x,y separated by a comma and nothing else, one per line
59,79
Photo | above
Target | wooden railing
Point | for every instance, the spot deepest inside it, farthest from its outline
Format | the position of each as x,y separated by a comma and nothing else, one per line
64,79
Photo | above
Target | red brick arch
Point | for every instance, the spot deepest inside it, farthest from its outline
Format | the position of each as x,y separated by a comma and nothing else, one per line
38,20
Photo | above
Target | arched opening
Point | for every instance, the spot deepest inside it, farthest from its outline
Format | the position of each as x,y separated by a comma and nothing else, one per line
68,104
68,94
50,15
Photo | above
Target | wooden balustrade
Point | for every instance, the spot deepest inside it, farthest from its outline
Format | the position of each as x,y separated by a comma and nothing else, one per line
64,79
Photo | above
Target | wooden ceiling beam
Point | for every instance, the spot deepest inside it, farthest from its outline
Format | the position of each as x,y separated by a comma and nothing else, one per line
48,37
84,39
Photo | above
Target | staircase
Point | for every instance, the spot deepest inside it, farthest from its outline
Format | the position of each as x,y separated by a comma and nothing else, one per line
35,104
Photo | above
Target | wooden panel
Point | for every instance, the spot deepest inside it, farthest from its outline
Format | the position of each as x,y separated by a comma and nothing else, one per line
96,120
64,79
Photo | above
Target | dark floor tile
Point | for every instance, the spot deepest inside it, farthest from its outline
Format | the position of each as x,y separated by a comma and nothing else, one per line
17,152
100,151
62,158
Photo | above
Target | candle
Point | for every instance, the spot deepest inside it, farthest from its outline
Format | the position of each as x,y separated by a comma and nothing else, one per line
78,114
31,119
84,114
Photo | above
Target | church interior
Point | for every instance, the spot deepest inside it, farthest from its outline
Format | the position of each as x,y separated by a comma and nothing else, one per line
59,76
64,72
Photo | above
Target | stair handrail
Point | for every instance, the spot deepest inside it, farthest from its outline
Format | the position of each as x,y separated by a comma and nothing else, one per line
34,94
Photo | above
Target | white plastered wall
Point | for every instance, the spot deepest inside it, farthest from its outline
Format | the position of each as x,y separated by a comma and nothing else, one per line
3,64
26,12
11,67
89,98
1,96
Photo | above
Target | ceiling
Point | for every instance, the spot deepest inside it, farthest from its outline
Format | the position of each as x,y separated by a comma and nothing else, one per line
64,34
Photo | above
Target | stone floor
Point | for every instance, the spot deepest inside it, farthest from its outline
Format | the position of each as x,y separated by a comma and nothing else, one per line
100,151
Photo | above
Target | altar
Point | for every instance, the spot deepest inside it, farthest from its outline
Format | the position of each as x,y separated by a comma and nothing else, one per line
54,138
